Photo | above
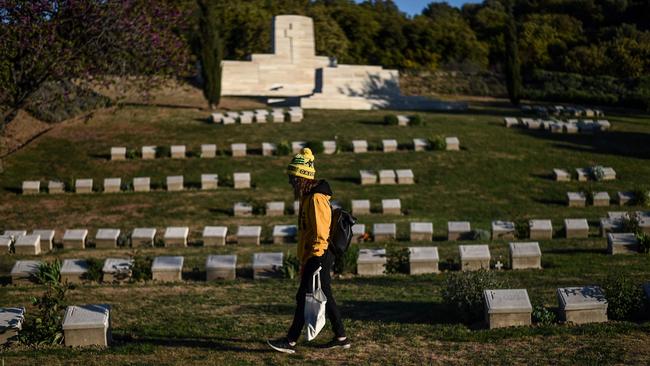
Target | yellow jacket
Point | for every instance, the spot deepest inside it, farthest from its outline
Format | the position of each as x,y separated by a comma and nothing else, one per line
314,223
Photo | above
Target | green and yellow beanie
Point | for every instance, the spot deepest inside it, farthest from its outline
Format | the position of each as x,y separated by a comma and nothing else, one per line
302,165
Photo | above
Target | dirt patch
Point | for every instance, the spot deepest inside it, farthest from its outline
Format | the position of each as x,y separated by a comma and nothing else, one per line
21,130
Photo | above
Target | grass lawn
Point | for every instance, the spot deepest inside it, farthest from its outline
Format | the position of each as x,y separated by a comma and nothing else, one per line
396,319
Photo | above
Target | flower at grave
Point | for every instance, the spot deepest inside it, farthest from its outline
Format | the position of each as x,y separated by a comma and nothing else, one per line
598,172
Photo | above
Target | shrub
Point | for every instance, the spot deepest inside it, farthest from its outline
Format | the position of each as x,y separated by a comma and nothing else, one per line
479,234
132,153
543,316
438,143
44,326
598,172
141,268
462,293
416,120
589,196
641,197
644,242
624,297
61,100
316,147
522,229
49,273
398,260
348,262
630,224
290,266
283,148
391,120
163,151
94,272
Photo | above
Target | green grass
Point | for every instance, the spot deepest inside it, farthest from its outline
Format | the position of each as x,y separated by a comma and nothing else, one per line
397,319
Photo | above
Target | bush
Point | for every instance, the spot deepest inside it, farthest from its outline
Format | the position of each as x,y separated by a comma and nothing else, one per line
543,316
132,153
624,297
163,151
644,242
630,224
641,197
416,120
479,234
391,120
522,229
398,260
316,147
598,172
438,143
462,293
348,262
283,148
290,266
49,273
141,268
94,273
62,100
44,326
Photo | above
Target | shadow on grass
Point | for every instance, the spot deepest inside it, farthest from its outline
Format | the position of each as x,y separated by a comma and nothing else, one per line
403,312
212,343
14,190
576,250
543,176
546,201
621,143
347,179
101,156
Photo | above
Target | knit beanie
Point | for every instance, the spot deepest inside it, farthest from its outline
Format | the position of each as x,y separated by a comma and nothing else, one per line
302,165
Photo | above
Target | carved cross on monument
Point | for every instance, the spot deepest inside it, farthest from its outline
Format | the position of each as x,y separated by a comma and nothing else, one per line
290,33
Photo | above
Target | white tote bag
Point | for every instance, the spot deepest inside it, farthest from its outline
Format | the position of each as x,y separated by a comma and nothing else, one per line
315,307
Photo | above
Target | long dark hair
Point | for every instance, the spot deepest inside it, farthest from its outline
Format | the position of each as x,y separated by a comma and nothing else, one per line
302,186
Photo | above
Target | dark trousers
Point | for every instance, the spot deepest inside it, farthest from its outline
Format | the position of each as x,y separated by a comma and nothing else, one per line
332,310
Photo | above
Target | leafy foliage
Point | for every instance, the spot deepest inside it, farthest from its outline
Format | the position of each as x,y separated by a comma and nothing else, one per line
480,234
462,292
391,120
141,268
283,148
438,143
56,101
644,242
94,273
43,326
348,262
416,120
210,51
624,297
641,197
543,316
398,260
290,266
316,146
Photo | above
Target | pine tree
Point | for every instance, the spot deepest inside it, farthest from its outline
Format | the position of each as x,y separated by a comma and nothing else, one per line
512,64
210,52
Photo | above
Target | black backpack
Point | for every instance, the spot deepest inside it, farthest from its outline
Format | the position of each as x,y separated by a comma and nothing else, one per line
341,231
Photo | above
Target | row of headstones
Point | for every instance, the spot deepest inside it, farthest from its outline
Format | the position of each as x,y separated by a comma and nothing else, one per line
276,115
575,111
90,325
387,176
42,240
598,199
140,184
359,207
371,262
268,149
569,127
163,268
597,173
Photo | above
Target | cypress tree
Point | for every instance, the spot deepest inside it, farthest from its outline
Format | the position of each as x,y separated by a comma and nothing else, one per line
512,64
210,52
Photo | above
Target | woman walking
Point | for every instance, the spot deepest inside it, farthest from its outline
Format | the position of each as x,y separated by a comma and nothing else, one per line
315,216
